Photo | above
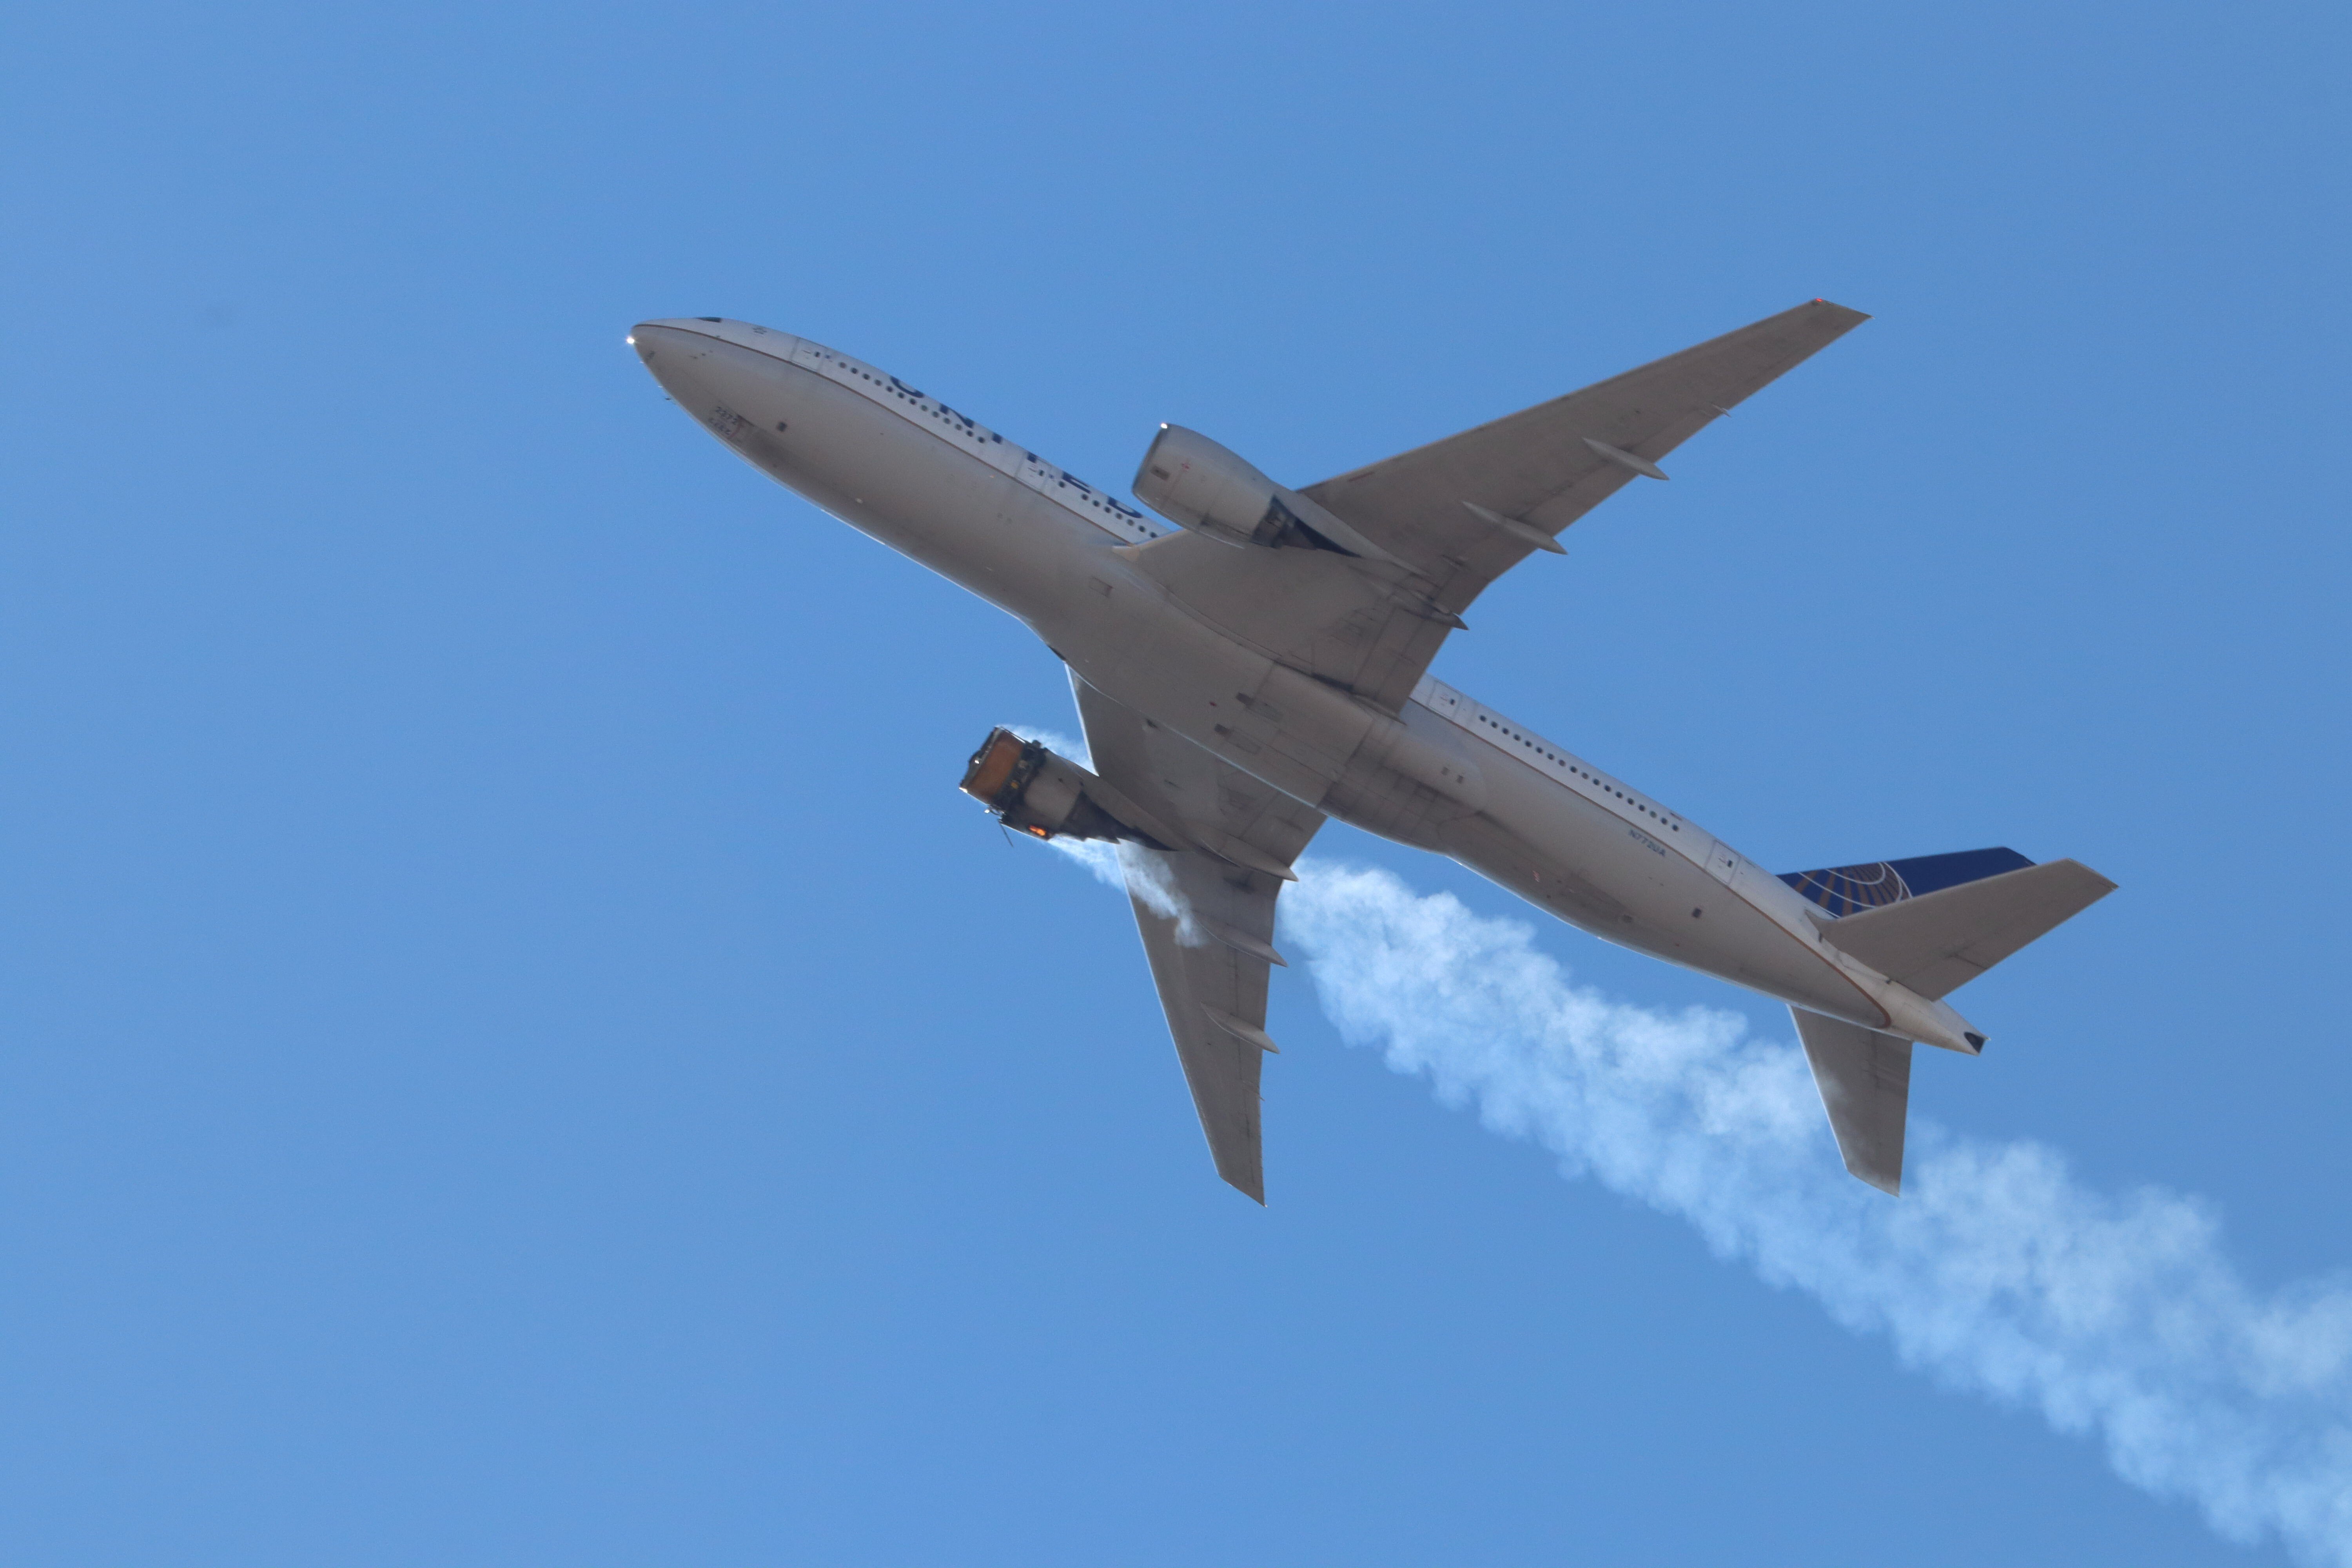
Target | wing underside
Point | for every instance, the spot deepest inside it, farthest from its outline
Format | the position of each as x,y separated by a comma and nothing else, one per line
1207,922
1454,515
1544,466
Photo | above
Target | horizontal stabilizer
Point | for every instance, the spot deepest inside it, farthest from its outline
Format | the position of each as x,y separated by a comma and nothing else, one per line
1865,1078
1936,943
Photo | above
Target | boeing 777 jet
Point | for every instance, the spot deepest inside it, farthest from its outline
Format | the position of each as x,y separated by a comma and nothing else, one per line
1255,659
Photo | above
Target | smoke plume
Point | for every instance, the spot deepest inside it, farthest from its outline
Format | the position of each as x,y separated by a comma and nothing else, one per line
1126,867
2117,1316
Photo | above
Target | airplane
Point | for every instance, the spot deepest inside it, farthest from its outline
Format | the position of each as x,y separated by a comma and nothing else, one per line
1253,660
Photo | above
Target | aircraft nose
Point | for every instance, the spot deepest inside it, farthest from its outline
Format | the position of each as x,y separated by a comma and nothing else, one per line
705,359
667,352
650,338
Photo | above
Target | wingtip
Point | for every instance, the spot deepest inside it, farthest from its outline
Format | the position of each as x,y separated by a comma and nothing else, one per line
1891,1185
1244,1170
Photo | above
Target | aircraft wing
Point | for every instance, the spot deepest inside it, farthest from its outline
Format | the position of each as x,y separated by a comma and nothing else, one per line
1207,919
1543,468
1459,513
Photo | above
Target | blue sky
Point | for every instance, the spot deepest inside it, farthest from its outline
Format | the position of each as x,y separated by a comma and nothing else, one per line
516,1051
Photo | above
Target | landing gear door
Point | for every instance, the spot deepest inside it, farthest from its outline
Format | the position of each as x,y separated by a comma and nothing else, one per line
1723,861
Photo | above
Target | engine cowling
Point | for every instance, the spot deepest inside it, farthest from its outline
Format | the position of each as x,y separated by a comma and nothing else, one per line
1039,792
1194,482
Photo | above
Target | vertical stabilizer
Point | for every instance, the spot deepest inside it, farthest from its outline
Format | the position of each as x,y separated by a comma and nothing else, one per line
1865,1078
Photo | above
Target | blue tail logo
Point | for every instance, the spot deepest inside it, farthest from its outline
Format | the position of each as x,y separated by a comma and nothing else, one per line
1848,890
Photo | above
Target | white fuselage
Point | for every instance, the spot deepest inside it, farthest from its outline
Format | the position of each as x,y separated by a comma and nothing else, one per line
1450,775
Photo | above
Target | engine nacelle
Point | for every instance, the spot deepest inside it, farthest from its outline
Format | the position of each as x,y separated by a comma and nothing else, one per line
1046,795
1191,481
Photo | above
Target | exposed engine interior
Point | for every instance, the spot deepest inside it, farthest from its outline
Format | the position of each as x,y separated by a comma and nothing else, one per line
1039,792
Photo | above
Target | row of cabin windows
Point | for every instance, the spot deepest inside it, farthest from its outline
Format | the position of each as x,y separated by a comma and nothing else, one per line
891,388
1532,746
1132,525
941,414
1119,514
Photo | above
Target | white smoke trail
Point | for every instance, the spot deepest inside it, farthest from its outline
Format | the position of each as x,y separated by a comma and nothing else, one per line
1122,865
1131,869
1996,1270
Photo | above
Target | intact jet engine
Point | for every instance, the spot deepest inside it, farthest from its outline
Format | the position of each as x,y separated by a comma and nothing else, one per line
1042,792
1189,479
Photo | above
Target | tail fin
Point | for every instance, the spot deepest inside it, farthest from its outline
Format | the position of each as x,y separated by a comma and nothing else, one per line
1932,924
1936,943
1850,889
1865,1078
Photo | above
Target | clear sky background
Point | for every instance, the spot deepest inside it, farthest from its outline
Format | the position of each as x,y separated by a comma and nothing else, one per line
515,1051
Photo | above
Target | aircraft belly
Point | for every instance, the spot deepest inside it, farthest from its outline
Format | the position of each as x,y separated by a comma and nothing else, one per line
1591,867
1408,777
1150,656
